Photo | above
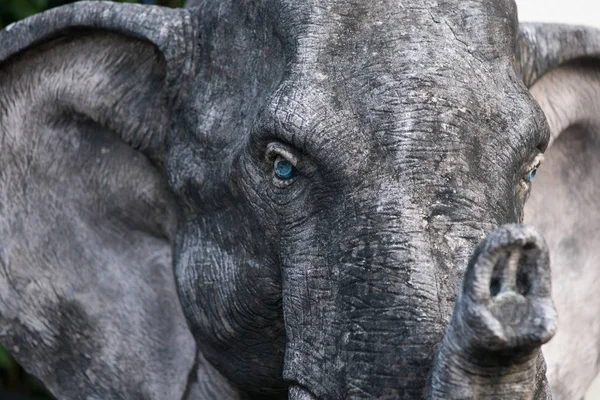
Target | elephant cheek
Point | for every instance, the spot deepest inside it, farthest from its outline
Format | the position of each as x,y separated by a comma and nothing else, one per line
360,328
233,307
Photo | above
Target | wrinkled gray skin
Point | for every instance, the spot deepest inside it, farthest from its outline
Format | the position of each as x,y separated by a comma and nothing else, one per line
135,139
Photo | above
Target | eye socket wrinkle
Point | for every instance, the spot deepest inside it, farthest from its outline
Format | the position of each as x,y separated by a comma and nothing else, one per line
278,149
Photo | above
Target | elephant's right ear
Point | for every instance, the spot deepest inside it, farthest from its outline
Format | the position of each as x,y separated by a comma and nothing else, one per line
88,302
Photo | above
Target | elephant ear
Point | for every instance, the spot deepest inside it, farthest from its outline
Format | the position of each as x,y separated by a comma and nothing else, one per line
88,302
561,65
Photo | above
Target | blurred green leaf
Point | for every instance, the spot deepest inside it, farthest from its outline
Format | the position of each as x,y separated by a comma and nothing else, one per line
14,10
5,358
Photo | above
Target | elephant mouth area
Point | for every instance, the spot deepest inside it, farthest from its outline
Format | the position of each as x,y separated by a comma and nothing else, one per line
298,392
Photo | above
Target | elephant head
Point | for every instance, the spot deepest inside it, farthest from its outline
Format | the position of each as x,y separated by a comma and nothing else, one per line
337,186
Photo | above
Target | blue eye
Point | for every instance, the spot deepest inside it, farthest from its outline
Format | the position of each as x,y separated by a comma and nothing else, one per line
531,175
283,168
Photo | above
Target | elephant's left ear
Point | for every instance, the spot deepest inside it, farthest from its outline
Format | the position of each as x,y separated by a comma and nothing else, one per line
88,302
560,64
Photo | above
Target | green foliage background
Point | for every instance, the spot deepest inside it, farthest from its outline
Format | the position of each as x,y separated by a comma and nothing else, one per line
14,10
13,378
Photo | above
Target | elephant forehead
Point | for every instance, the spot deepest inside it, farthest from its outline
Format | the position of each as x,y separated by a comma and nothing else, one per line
367,57
400,66
323,31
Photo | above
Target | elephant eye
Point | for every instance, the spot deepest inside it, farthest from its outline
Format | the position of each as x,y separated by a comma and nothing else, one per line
283,168
533,169
282,159
531,176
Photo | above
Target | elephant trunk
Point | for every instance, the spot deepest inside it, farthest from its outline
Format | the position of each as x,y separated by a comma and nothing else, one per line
502,316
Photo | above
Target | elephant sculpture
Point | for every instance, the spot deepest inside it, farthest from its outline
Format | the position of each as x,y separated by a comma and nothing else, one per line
302,199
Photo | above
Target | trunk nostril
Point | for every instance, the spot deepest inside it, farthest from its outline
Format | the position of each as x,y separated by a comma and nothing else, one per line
495,285
523,282
510,272
517,312
503,274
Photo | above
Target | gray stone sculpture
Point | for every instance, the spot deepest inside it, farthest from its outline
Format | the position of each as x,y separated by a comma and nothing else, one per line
303,199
